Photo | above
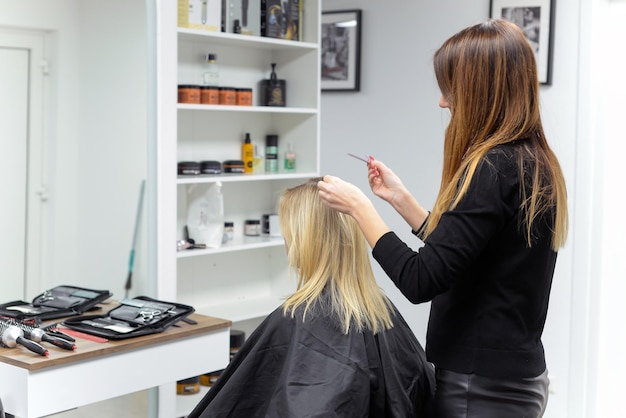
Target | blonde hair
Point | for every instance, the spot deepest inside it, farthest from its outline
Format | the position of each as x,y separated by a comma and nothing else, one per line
488,74
328,251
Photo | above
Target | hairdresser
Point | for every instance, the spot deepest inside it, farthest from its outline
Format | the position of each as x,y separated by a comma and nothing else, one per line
491,239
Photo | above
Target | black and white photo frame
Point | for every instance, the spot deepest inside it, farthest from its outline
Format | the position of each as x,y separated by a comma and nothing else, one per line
536,19
341,50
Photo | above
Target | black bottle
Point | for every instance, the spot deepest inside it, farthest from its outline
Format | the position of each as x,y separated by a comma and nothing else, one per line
274,90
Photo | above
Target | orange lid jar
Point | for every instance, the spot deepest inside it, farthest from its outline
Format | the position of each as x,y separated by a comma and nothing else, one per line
210,95
228,96
244,97
188,93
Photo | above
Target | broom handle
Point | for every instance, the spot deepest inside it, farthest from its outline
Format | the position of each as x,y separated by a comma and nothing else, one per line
131,259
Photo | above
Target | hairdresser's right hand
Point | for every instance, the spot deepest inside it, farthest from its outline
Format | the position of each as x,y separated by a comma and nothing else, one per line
347,198
384,182
340,195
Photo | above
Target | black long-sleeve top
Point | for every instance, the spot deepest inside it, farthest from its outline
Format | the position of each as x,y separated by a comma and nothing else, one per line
489,289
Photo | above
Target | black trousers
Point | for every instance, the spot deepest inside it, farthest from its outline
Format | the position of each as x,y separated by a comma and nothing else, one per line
470,396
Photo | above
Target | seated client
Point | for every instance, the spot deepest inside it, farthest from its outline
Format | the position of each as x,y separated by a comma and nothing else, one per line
337,347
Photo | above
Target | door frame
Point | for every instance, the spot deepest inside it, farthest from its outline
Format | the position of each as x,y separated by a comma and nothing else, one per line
37,194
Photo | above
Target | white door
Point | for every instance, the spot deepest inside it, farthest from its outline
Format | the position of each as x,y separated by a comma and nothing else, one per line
21,148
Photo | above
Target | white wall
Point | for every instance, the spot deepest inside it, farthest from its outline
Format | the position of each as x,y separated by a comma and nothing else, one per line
113,143
95,136
608,130
395,117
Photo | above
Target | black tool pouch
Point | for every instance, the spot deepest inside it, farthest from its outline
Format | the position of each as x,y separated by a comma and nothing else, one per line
132,318
58,302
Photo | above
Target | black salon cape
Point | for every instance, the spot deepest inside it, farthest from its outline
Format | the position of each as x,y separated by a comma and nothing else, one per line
290,368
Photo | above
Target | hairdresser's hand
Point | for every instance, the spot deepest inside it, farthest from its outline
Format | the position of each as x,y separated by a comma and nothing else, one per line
384,182
340,195
388,186
349,199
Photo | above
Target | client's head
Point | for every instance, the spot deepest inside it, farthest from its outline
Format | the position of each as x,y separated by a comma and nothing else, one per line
327,250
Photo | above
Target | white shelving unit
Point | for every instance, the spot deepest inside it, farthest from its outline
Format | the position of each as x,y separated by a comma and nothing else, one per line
247,278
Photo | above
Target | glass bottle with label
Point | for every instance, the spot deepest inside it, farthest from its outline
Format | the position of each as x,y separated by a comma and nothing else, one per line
290,158
211,71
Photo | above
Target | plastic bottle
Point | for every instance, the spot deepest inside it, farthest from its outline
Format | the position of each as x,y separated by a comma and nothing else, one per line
211,71
247,154
205,214
290,159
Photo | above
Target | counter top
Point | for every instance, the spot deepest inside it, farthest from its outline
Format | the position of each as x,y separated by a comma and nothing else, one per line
86,349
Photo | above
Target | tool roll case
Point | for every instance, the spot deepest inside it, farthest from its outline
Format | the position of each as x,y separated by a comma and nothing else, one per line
134,317
58,302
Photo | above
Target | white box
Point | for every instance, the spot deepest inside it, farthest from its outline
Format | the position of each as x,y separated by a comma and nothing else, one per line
200,14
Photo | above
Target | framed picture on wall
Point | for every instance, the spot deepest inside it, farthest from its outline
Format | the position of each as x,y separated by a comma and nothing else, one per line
341,50
536,19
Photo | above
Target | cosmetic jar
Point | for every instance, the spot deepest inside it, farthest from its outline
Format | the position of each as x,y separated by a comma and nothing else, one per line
189,93
188,386
233,166
209,379
188,168
228,96
209,95
210,167
244,97
252,227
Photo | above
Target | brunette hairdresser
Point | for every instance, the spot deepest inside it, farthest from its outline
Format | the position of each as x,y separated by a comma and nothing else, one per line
491,239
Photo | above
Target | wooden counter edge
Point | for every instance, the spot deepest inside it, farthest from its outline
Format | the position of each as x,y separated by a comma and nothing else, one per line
86,349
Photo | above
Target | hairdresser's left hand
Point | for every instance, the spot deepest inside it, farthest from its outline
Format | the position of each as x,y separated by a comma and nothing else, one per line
349,199
340,195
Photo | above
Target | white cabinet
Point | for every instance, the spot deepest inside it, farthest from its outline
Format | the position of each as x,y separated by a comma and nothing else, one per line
248,277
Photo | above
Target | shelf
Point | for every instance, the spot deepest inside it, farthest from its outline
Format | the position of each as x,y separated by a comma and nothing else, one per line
252,109
242,41
228,178
238,244
247,278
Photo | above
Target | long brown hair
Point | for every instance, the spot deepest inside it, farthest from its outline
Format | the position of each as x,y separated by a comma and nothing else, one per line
328,252
488,74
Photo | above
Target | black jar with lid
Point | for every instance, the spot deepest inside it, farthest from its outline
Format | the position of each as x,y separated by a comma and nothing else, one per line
210,167
188,168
